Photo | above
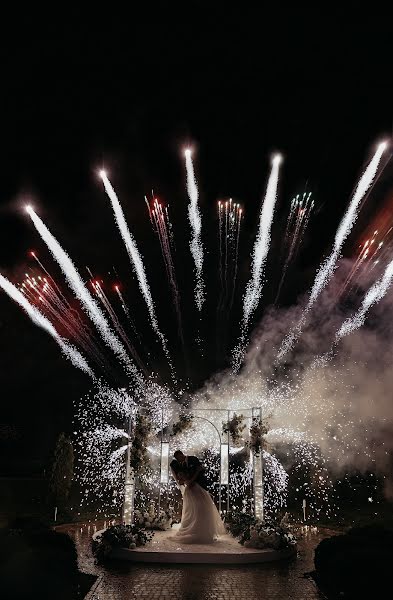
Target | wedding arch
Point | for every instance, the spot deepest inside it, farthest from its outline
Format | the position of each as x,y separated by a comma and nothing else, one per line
213,418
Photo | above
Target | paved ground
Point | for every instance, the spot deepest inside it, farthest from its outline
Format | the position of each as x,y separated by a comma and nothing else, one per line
121,580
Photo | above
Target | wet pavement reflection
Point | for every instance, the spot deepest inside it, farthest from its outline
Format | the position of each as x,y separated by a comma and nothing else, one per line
124,580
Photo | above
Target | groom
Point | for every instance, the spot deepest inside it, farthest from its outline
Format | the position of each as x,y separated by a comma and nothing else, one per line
190,467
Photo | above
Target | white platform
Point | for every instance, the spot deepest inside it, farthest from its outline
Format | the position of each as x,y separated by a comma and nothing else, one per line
226,550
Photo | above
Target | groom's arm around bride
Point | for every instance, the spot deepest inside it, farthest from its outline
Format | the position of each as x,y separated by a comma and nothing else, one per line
197,472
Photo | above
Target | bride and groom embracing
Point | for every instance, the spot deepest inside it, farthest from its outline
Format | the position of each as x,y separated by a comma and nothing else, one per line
200,520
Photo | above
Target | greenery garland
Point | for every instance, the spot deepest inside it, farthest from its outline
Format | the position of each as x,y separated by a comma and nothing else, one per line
234,427
259,428
185,422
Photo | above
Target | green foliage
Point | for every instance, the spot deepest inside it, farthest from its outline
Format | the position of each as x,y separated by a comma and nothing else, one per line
239,523
185,422
258,429
62,472
120,536
234,427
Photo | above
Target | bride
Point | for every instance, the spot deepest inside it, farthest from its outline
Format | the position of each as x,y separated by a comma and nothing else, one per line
200,520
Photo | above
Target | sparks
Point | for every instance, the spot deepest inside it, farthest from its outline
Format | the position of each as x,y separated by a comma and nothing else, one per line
137,263
38,319
326,270
194,217
83,294
253,291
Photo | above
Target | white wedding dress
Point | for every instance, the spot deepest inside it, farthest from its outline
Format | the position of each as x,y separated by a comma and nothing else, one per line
200,520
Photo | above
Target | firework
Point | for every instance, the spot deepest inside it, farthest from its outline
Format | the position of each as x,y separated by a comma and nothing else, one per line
117,325
253,291
63,298
126,310
298,219
229,222
290,408
83,294
51,301
38,319
372,253
326,270
374,295
194,217
136,261
159,218
261,247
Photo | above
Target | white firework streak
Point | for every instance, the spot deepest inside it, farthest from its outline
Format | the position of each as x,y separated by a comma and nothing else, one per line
114,468
374,295
39,319
280,434
82,293
108,433
261,246
136,261
194,217
326,270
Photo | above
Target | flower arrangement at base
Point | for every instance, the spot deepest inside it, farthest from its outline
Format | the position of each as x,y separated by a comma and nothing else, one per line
238,523
162,519
138,456
234,427
253,533
265,536
119,536
185,422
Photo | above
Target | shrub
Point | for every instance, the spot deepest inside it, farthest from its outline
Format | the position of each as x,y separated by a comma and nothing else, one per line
119,536
253,533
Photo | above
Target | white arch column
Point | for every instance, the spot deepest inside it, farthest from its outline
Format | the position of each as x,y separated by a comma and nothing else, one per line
257,464
129,484
224,472
129,493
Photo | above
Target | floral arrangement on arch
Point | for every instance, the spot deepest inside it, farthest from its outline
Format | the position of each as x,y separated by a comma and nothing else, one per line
119,536
258,430
234,427
162,519
183,424
138,455
254,533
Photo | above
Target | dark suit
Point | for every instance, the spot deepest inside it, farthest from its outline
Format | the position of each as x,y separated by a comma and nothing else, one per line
189,468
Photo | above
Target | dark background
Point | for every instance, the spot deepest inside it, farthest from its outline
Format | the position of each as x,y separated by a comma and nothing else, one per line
130,92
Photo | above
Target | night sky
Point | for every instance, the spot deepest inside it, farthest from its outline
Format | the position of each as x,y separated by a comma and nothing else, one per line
130,93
